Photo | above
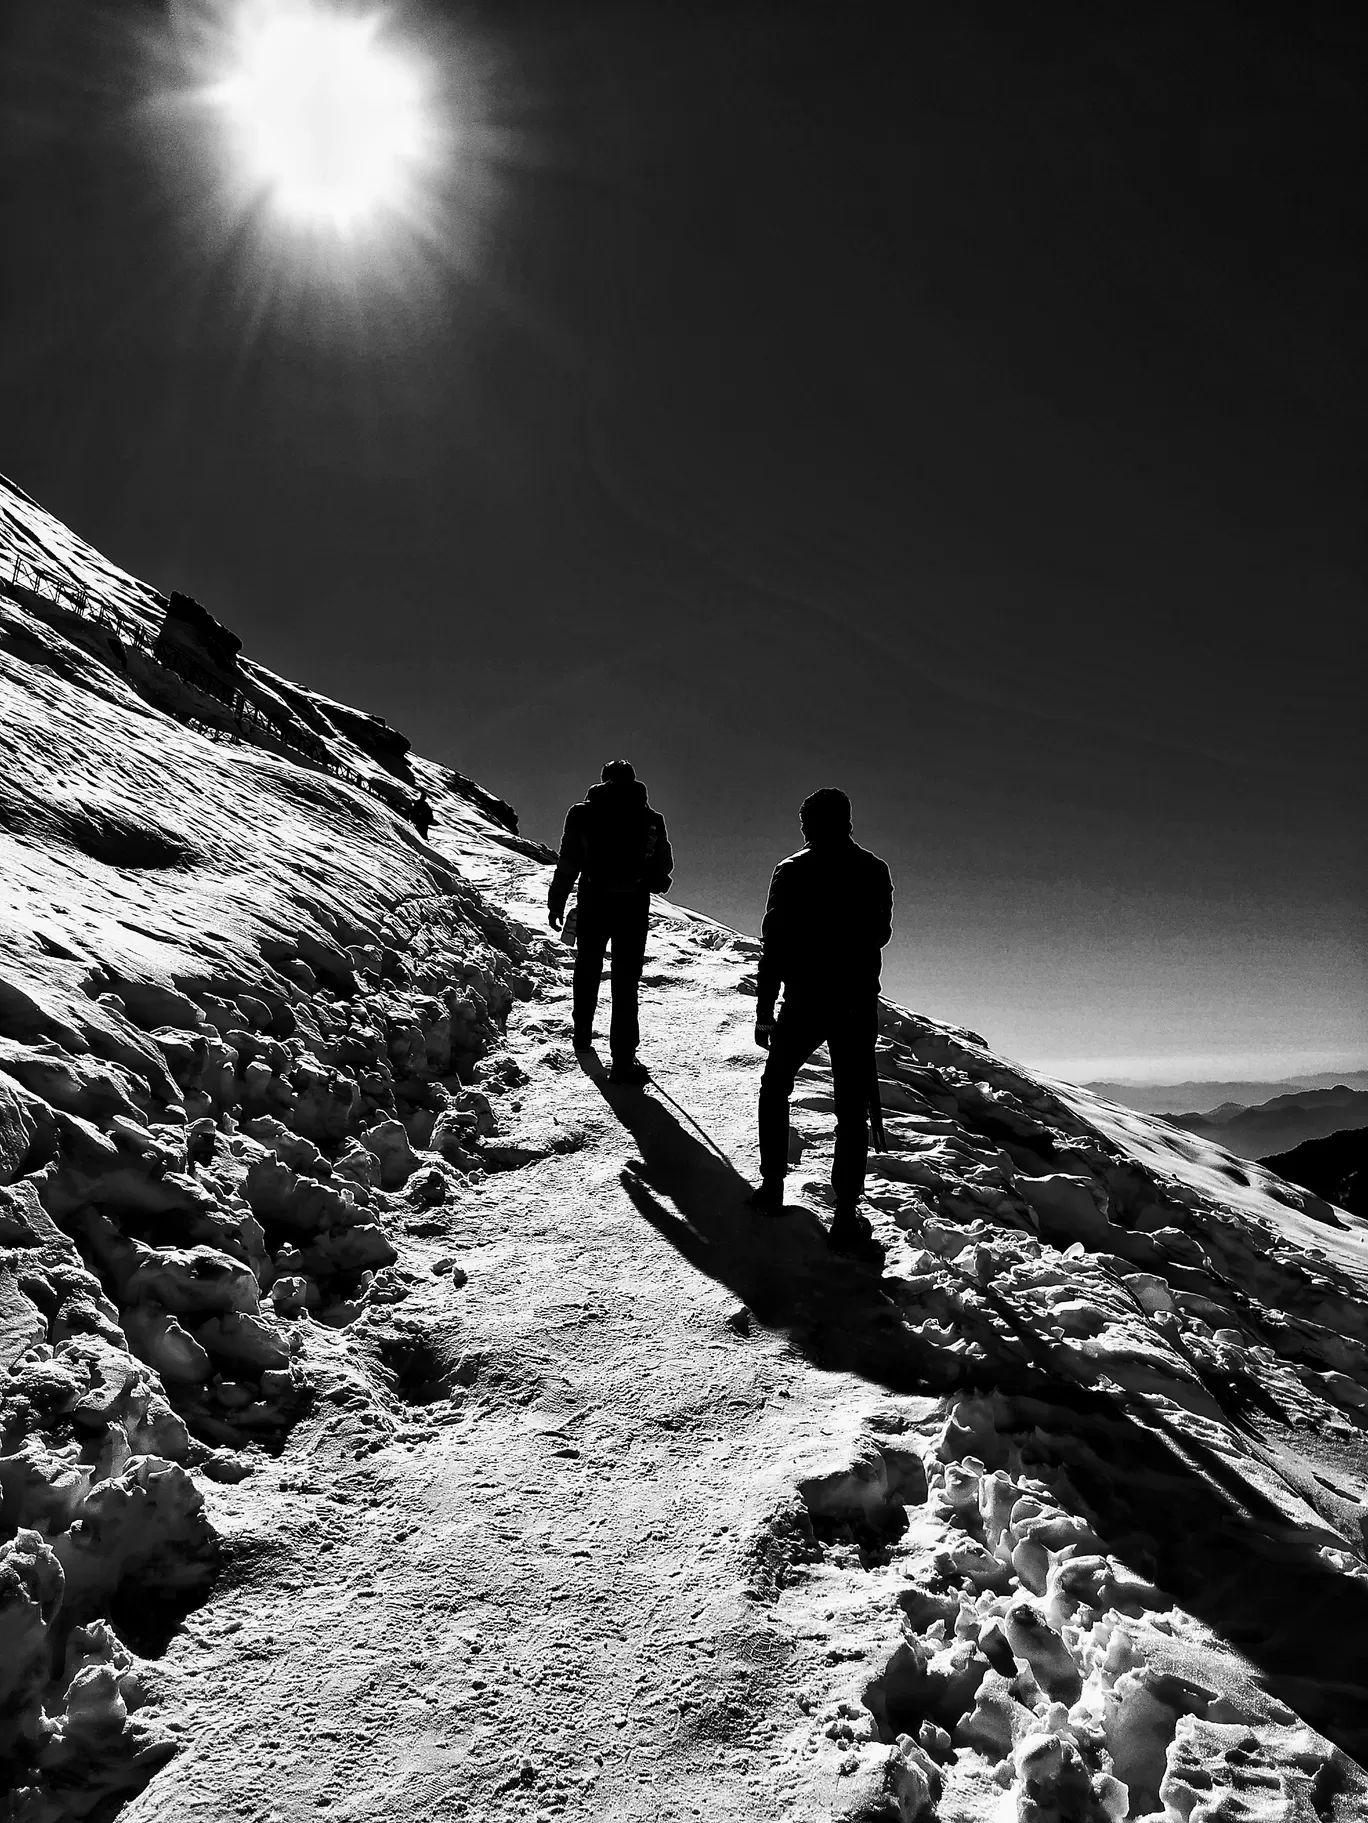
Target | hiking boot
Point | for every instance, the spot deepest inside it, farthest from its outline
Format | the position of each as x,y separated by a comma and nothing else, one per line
767,1198
583,1039
850,1234
630,1072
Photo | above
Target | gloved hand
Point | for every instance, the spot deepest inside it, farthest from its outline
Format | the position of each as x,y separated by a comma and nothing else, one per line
555,919
764,1031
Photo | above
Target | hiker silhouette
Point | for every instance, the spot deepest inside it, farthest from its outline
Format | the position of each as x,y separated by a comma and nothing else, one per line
829,914
616,846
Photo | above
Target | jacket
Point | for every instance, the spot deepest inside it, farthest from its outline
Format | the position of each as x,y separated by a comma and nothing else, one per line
829,914
613,843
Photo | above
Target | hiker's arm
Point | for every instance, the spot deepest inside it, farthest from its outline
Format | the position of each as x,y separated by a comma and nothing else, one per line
568,867
883,907
660,869
769,977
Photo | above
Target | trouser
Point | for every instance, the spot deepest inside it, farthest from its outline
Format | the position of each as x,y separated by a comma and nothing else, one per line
848,1029
618,919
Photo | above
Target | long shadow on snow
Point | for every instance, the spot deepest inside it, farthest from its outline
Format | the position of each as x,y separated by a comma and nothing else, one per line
780,1267
1163,1497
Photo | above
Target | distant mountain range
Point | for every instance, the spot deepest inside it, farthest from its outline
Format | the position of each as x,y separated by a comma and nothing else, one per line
1282,1123
1335,1167
1213,1097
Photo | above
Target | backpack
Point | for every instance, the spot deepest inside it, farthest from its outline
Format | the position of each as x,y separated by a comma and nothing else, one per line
621,841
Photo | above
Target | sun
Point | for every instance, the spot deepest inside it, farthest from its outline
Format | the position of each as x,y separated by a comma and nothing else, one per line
333,162
328,121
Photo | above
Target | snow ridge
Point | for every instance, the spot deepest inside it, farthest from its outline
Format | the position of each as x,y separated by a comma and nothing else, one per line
215,1065
1123,1349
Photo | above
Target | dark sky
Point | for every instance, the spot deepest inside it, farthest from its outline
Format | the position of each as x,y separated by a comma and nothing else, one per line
962,404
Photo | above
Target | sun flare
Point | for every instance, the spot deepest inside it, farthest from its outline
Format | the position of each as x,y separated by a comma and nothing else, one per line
328,121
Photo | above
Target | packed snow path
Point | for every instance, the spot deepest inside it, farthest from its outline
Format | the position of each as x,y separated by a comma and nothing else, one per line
398,1420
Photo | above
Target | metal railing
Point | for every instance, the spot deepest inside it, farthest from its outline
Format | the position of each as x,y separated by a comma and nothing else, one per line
65,591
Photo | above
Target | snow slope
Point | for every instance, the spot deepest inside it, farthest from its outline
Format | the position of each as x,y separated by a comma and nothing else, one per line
398,1420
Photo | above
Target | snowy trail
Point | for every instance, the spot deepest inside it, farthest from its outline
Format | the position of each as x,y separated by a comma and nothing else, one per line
598,1528
558,1567
396,1420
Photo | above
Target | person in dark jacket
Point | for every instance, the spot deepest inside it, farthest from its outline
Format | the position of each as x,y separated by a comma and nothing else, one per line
616,846
829,914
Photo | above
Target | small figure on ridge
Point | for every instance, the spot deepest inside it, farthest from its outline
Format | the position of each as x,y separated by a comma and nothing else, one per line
616,846
829,914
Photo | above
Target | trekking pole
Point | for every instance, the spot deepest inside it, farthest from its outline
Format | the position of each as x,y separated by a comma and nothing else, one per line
662,1091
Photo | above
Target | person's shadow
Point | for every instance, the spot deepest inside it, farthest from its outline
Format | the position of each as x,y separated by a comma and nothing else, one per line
1168,1499
779,1266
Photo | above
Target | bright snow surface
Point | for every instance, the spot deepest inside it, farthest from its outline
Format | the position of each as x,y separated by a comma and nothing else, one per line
399,1421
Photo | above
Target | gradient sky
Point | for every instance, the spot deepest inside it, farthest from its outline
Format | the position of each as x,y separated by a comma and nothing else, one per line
963,404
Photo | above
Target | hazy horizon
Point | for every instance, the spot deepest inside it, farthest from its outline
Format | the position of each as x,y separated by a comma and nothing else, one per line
1175,1072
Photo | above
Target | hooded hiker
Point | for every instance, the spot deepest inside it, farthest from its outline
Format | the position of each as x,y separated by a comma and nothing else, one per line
829,914
617,848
